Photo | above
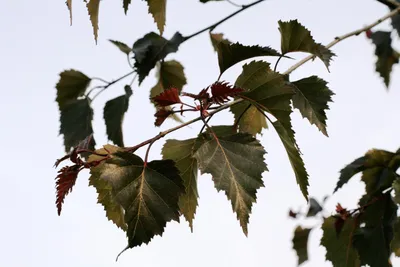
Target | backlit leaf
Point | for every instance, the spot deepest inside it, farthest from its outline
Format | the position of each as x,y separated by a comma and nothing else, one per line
349,171
152,48
149,193
252,121
311,99
297,38
167,98
121,46
114,111
217,38
181,151
65,180
72,84
300,243
157,10
76,122
221,91
93,10
236,163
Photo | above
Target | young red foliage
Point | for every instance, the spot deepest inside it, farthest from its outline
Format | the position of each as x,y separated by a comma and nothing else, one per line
167,98
292,214
343,214
161,115
368,33
65,180
221,91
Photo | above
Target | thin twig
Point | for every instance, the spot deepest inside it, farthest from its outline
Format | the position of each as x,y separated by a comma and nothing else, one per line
277,62
103,88
233,3
100,79
241,115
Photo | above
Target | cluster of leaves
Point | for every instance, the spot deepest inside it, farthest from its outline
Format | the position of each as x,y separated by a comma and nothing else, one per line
141,196
369,234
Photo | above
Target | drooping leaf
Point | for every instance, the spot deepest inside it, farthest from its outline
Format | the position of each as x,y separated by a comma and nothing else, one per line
157,10
395,244
221,91
69,6
126,4
76,122
314,207
349,171
114,111
65,180
311,99
121,46
297,38
149,193
300,243
339,248
230,54
181,151
93,10
387,56
236,163
72,84
167,98
152,48
217,38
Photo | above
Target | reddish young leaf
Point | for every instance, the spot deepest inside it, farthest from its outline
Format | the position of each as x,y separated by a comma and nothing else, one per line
65,180
168,97
368,33
222,90
292,214
161,115
344,213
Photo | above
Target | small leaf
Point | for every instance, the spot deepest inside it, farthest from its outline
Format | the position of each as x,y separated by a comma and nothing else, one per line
76,122
311,99
296,38
157,10
161,115
339,248
236,164
395,244
230,54
167,98
152,48
217,38
181,152
314,208
349,171
72,84
149,193
114,112
300,243
64,182
93,10
69,5
121,46
126,4
221,91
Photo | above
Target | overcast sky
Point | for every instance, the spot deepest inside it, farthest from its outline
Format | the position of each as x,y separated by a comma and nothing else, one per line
37,43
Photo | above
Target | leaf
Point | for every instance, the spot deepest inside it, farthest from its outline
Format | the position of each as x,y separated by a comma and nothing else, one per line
152,48
300,243
149,193
349,171
297,38
221,91
161,115
157,10
395,244
387,56
76,122
114,111
216,38
167,98
314,207
311,99
106,197
72,84
121,46
126,4
339,249
396,188
236,163
69,5
252,120
230,54
65,180
93,10
181,152
377,179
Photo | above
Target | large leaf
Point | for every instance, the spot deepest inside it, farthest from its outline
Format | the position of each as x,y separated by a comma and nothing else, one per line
152,48
76,122
114,112
311,99
93,10
122,47
349,171
72,84
297,38
300,243
339,248
149,193
181,151
157,10
217,38
236,163
230,54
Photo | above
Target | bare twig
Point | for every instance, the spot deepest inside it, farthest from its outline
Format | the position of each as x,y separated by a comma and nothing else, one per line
103,88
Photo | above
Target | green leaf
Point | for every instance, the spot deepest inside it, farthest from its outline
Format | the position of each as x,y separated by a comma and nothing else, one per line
268,90
93,10
387,56
121,46
297,38
252,121
311,99
300,243
217,38
149,193
152,48
339,249
236,163
349,171
114,112
314,207
181,152
76,122
157,10
72,84
126,4
396,188
106,197
395,244
230,54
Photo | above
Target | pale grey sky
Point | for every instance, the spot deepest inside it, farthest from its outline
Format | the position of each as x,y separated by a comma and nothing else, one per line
37,43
